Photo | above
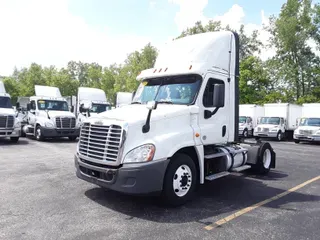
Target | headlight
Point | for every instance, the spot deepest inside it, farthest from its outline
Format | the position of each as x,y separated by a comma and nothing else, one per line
274,130
241,128
49,124
140,154
317,133
17,124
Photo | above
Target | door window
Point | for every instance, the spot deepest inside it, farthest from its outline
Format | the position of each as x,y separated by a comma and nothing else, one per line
208,92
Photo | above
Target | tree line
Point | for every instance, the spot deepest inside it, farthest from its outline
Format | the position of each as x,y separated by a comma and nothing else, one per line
292,75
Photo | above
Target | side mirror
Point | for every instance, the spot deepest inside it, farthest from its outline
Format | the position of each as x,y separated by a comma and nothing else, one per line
17,105
151,105
28,107
218,95
72,108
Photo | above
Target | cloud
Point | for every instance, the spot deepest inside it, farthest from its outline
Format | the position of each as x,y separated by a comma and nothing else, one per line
191,11
47,33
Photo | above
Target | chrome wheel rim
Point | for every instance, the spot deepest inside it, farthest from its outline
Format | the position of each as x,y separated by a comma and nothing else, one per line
266,158
182,180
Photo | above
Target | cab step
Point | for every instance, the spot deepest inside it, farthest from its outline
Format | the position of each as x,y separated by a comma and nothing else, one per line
240,169
216,176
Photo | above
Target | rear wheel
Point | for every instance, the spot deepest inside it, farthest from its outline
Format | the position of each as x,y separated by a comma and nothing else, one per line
264,160
296,141
180,180
14,139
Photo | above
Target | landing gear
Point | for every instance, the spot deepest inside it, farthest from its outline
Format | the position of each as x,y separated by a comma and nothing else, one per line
14,139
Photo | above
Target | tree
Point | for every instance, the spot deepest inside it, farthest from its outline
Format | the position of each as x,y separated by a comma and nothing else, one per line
291,32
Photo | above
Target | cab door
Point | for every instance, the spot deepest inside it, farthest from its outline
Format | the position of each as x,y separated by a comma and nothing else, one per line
213,118
32,113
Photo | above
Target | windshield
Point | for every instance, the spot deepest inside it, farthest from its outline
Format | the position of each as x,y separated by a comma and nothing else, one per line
176,90
310,122
242,119
99,108
53,105
5,102
270,120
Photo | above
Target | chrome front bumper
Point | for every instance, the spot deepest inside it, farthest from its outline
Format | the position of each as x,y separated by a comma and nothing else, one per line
10,132
306,138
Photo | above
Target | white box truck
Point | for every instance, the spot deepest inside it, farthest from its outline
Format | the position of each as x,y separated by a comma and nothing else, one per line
90,102
248,118
309,124
10,125
279,121
181,128
49,115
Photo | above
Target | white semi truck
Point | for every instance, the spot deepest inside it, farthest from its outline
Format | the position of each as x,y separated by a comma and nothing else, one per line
10,125
308,129
181,128
49,115
279,121
90,102
249,115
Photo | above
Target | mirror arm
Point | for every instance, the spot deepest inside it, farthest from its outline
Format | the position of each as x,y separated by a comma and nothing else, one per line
146,127
208,114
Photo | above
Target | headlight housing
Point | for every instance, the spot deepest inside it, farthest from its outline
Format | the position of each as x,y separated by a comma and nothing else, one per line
49,124
144,153
274,130
17,123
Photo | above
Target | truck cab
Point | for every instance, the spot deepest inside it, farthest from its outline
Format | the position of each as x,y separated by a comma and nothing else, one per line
181,128
272,127
308,125
90,102
49,115
9,123
245,126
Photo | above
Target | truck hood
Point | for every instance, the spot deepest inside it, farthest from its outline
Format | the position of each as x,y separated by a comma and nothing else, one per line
309,128
138,113
7,111
54,114
267,126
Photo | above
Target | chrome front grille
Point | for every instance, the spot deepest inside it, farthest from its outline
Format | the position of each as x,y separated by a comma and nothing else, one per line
265,129
6,121
65,122
305,132
100,142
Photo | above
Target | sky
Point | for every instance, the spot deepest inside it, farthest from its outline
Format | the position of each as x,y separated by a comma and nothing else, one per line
53,32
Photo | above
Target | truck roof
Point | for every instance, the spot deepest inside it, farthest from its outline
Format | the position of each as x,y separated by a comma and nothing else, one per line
92,94
197,53
47,91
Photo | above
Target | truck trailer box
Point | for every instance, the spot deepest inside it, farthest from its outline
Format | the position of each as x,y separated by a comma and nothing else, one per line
290,112
251,110
311,110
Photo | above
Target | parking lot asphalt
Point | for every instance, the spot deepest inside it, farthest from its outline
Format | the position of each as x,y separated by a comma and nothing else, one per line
41,198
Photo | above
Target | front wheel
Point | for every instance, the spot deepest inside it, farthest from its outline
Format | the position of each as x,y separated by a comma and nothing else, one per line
279,136
14,139
296,141
39,136
180,180
245,133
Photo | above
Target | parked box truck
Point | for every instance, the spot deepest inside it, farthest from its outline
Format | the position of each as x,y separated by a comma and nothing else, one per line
248,117
181,128
309,124
279,121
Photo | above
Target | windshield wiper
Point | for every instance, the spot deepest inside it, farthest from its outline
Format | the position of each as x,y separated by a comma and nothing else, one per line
167,102
136,103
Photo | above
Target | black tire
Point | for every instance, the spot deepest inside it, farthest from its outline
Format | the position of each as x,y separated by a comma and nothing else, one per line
262,167
38,134
296,141
72,138
245,133
169,194
14,139
279,136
